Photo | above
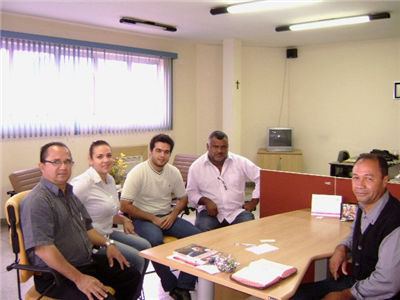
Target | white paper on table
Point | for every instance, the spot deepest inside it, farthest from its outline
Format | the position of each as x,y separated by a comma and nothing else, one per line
326,205
263,248
211,269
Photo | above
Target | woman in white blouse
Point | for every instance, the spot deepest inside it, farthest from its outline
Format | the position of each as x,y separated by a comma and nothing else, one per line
97,191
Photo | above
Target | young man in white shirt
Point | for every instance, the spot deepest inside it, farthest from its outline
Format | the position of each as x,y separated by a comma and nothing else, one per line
146,197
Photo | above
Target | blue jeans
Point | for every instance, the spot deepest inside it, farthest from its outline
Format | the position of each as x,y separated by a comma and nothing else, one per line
154,234
319,289
130,245
205,222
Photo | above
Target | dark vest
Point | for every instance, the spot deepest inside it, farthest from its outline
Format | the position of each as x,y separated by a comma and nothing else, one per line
366,246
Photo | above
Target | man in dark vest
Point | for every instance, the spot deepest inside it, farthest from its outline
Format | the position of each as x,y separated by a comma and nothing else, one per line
374,242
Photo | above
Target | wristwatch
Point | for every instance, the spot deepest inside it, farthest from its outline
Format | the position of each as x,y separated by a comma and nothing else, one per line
110,242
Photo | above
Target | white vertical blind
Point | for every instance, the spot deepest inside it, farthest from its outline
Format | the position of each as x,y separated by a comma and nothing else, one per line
54,89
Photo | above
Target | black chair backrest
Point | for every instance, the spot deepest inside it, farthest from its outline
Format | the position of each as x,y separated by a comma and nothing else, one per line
13,229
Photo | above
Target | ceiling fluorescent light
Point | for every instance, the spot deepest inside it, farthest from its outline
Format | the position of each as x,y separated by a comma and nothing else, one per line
258,5
149,24
330,23
333,22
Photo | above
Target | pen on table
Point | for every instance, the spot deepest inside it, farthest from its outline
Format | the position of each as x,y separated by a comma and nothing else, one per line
244,244
268,241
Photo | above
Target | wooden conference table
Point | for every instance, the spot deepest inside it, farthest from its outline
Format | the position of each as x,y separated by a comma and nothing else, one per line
300,237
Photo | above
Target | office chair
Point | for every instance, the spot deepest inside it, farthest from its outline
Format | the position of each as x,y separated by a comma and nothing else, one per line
21,263
24,180
183,163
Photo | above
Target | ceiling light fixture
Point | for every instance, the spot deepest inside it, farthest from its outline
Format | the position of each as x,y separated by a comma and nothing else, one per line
333,22
258,5
132,21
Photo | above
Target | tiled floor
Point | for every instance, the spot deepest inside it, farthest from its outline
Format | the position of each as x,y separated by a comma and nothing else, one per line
8,282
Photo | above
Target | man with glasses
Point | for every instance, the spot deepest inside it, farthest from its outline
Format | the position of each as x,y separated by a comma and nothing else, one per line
146,197
58,233
217,182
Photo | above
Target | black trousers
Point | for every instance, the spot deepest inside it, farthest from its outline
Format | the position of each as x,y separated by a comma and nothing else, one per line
319,289
124,282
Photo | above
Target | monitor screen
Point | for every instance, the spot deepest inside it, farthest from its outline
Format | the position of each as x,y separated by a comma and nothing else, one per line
280,139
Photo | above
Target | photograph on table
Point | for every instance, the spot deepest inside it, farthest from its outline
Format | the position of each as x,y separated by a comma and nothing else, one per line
348,212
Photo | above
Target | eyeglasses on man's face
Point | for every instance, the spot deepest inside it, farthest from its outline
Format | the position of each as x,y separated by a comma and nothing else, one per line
58,162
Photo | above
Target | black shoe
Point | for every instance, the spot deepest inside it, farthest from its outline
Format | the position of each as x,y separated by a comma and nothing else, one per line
180,294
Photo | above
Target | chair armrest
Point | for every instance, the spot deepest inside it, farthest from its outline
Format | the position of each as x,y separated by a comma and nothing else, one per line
11,193
56,275
186,210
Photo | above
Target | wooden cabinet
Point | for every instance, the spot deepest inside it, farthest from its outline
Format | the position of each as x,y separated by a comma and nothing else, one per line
281,161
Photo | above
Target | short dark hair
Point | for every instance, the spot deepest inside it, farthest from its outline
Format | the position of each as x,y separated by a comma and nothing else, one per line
383,165
163,138
96,144
218,134
44,151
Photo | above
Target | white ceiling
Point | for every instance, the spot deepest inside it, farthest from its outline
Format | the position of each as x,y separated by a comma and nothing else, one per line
195,23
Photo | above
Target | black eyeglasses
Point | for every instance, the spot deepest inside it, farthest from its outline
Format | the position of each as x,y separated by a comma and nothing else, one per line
58,162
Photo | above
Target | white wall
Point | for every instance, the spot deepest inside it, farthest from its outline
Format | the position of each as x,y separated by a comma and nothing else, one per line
209,93
337,97
340,98
262,78
350,97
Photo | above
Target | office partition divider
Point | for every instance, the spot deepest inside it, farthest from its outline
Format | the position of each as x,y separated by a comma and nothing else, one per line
287,191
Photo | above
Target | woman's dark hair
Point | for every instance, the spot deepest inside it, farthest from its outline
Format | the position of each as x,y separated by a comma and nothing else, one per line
163,138
96,144
44,151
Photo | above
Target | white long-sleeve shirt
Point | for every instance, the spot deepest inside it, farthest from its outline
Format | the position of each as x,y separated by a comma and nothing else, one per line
225,189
